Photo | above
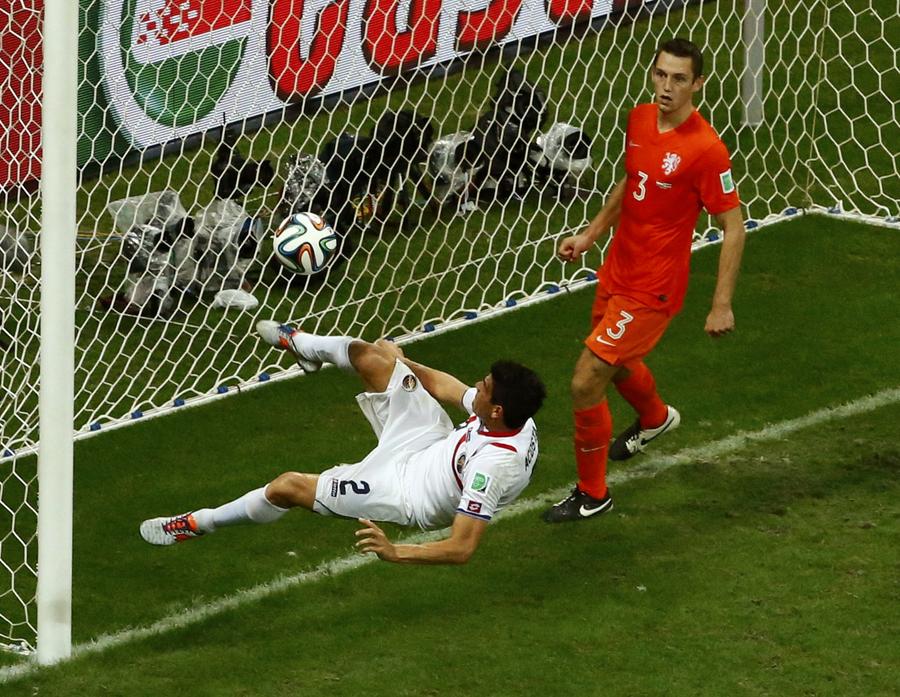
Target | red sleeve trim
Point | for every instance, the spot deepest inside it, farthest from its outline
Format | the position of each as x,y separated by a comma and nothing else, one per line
459,482
506,446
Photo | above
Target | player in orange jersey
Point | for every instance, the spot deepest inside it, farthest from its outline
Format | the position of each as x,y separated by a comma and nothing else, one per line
676,165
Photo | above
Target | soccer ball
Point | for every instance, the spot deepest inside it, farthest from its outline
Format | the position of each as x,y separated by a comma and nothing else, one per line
305,244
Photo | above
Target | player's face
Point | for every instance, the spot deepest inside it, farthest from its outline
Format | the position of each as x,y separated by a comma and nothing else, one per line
674,83
484,392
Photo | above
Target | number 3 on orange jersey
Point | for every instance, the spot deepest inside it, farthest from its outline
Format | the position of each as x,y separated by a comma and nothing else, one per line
642,189
620,325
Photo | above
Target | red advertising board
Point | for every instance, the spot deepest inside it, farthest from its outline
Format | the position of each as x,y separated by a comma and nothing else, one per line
154,71
20,90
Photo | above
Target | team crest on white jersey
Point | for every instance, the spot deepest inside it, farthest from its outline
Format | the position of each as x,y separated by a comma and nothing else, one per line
670,162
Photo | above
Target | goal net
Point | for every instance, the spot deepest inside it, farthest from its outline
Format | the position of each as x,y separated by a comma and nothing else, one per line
450,144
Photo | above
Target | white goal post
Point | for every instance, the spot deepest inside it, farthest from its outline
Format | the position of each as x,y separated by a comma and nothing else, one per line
57,309
450,142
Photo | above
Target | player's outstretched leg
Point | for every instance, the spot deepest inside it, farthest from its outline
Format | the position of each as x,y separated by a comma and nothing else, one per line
635,439
312,350
373,362
168,531
263,505
282,336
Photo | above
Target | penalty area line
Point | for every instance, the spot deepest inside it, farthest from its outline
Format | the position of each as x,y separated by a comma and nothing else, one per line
650,468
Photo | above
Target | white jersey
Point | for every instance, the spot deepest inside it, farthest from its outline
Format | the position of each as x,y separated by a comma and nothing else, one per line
472,471
423,472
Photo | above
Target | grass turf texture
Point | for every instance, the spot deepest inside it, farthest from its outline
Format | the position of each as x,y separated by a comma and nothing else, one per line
769,571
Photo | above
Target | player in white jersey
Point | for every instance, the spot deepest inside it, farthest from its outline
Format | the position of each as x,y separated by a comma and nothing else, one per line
423,472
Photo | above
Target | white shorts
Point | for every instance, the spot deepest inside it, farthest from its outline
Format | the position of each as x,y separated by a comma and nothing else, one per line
406,419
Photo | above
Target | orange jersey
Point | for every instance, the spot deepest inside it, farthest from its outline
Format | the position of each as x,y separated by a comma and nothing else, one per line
671,176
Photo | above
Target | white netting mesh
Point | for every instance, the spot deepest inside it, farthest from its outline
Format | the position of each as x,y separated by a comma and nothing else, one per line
418,145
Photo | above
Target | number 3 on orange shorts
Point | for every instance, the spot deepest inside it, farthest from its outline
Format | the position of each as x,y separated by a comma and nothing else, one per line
620,325
624,329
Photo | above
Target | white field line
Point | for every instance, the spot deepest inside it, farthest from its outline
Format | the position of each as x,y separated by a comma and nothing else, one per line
650,468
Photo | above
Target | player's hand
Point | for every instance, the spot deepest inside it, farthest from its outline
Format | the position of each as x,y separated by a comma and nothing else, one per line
720,321
373,539
571,248
392,348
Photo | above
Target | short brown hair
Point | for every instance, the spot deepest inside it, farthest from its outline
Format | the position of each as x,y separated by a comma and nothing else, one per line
683,49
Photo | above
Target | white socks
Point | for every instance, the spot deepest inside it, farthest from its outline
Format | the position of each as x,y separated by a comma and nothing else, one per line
325,349
252,507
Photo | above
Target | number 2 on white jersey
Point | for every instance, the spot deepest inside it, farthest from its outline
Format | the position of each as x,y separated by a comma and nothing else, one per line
642,189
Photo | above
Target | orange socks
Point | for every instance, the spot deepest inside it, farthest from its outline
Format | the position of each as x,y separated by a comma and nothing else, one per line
639,390
593,426
593,429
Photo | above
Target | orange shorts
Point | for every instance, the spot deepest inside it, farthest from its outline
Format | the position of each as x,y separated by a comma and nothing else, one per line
624,329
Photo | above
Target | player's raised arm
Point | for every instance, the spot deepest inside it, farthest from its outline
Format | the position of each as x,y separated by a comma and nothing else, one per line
571,248
440,385
720,320
456,549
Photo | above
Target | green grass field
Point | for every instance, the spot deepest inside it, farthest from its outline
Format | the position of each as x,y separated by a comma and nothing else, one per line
769,568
